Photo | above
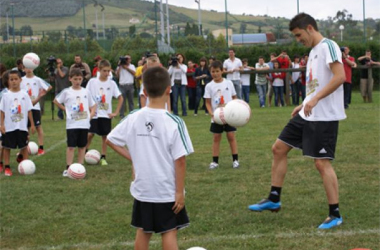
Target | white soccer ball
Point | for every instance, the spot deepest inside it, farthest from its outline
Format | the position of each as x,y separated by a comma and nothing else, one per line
31,61
237,113
92,157
219,116
76,171
14,110
32,148
75,108
196,248
26,167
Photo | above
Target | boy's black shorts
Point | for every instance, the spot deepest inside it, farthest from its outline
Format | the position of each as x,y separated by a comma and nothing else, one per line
317,139
158,217
218,129
76,138
15,139
100,126
36,118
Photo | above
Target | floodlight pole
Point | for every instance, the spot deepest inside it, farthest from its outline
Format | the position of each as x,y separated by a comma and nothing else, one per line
364,26
13,30
298,7
225,1
199,17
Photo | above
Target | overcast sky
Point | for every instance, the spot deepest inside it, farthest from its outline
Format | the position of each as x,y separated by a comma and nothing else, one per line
319,9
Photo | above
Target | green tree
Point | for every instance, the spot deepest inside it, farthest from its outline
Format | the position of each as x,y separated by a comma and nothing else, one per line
26,30
132,30
54,36
187,29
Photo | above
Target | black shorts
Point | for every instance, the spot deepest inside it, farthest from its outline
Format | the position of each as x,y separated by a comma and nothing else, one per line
158,217
316,139
15,139
100,126
218,129
36,118
76,138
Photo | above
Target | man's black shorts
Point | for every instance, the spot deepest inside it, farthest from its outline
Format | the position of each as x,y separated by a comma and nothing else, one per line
15,139
158,217
218,129
76,138
317,139
100,126
36,118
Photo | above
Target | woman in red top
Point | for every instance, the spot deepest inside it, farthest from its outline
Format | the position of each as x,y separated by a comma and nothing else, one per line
278,84
191,84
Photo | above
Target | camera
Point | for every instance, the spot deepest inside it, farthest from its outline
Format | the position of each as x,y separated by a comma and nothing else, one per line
173,61
123,60
51,61
342,49
148,54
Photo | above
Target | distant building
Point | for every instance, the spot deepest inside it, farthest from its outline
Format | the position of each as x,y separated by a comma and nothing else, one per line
250,39
222,32
134,20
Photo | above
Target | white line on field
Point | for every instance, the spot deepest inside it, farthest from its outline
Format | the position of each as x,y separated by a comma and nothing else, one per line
54,146
211,238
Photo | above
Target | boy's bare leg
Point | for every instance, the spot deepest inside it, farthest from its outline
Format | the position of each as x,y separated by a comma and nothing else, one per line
6,155
104,145
280,162
40,135
330,180
216,144
69,155
169,240
81,154
89,140
142,240
232,141
24,152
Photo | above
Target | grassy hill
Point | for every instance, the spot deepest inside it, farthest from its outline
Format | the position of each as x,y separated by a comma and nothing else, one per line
57,15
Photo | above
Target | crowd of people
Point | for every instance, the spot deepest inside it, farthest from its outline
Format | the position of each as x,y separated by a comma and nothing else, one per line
159,145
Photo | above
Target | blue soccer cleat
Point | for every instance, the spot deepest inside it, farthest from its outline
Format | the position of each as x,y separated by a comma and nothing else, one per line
265,205
331,222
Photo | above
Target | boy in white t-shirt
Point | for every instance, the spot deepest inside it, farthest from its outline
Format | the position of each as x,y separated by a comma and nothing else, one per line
102,90
36,88
217,93
246,80
157,144
15,108
80,107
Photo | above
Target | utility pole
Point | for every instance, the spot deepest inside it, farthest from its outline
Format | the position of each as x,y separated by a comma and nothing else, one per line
162,22
364,24
104,30
96,21
298,7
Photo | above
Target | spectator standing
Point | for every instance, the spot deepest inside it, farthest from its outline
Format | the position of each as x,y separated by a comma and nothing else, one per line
191,84
61,75
84,68
284,61
278,85
20,67
138,78
3,69
177,72
232,67
126,73
366,85
295,81
203,77
348,64
95,70
261,81
303,64
246,80
270,80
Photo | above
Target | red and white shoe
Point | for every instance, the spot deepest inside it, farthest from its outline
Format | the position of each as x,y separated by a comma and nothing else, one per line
41,152
8,172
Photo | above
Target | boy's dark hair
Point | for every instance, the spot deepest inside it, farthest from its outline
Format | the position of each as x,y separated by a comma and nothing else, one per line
203,59
217,64
18,62
261,57
156,81
273,54
75,72
245,60
231,49
5,79
275,61
296,56
301,21
104,63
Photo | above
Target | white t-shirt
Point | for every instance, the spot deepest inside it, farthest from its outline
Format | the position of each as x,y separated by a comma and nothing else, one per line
155,139
220,93
318,75
15,106
295,75
261,79
77,104
245,78
230,65
102,93
32,86
125,77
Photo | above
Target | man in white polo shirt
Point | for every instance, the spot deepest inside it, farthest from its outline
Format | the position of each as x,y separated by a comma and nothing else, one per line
232,67
126,73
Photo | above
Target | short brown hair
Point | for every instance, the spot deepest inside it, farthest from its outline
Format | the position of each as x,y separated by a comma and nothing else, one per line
217,65
75,72
301,21
156,81
104,63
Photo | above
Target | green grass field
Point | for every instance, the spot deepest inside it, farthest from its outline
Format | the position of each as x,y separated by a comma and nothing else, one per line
47,211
